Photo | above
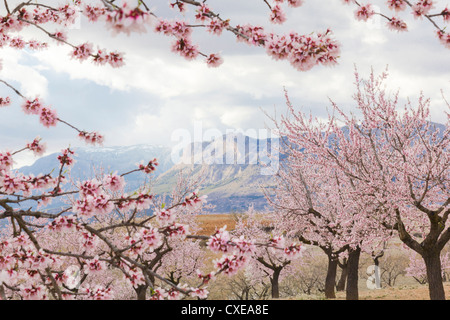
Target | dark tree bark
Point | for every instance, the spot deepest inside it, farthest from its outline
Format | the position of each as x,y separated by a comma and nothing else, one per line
343,279
274,281
434,274
330,281
430,248
352,278
141,292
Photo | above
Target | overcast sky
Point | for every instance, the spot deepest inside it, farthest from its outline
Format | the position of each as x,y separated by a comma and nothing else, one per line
158,91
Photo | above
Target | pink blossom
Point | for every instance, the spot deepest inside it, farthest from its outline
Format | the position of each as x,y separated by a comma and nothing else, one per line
277,15
48,117
203,12
159,294
91,137
94,266
363,13
397,24
89,188
295,3
151,238
37,147
397,5
82,52
32,106
214,60
4,102
216,26
6,161
185,48
200,293
166,216
114,182
66,158
33,292
220,241
446,15
98,293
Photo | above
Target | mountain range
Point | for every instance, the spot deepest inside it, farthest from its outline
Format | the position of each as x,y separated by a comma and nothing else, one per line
234,169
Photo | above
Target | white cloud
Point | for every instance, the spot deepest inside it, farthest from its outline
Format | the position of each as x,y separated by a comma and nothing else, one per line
32,83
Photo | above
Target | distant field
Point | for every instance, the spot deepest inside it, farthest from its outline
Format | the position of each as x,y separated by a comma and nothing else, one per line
211,222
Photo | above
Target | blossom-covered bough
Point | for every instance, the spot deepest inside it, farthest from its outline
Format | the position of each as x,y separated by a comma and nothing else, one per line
422,9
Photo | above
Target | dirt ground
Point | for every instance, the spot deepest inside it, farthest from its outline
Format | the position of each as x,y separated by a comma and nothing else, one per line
417,292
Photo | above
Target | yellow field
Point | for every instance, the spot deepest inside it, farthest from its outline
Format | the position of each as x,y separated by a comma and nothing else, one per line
211,222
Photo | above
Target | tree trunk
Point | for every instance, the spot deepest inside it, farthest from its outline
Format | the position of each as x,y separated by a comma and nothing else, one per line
352,278
274,280
343,279
141,292
434,274
330,281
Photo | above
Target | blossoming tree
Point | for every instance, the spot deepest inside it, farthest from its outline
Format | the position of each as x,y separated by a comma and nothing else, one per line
267,261
397,159
318,205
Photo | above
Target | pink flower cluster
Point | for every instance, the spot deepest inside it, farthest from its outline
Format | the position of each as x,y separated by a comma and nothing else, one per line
66,158
240,249
93,199
205,277
47,116
182,32
422,7
363,13
293,250
200,293
63,223
12,183
165,216
6,161
127,19
94,266
98,293
303,52
4,102
146,240
149,167
114,182
194,199
37,147
176,229
91,137
231,264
